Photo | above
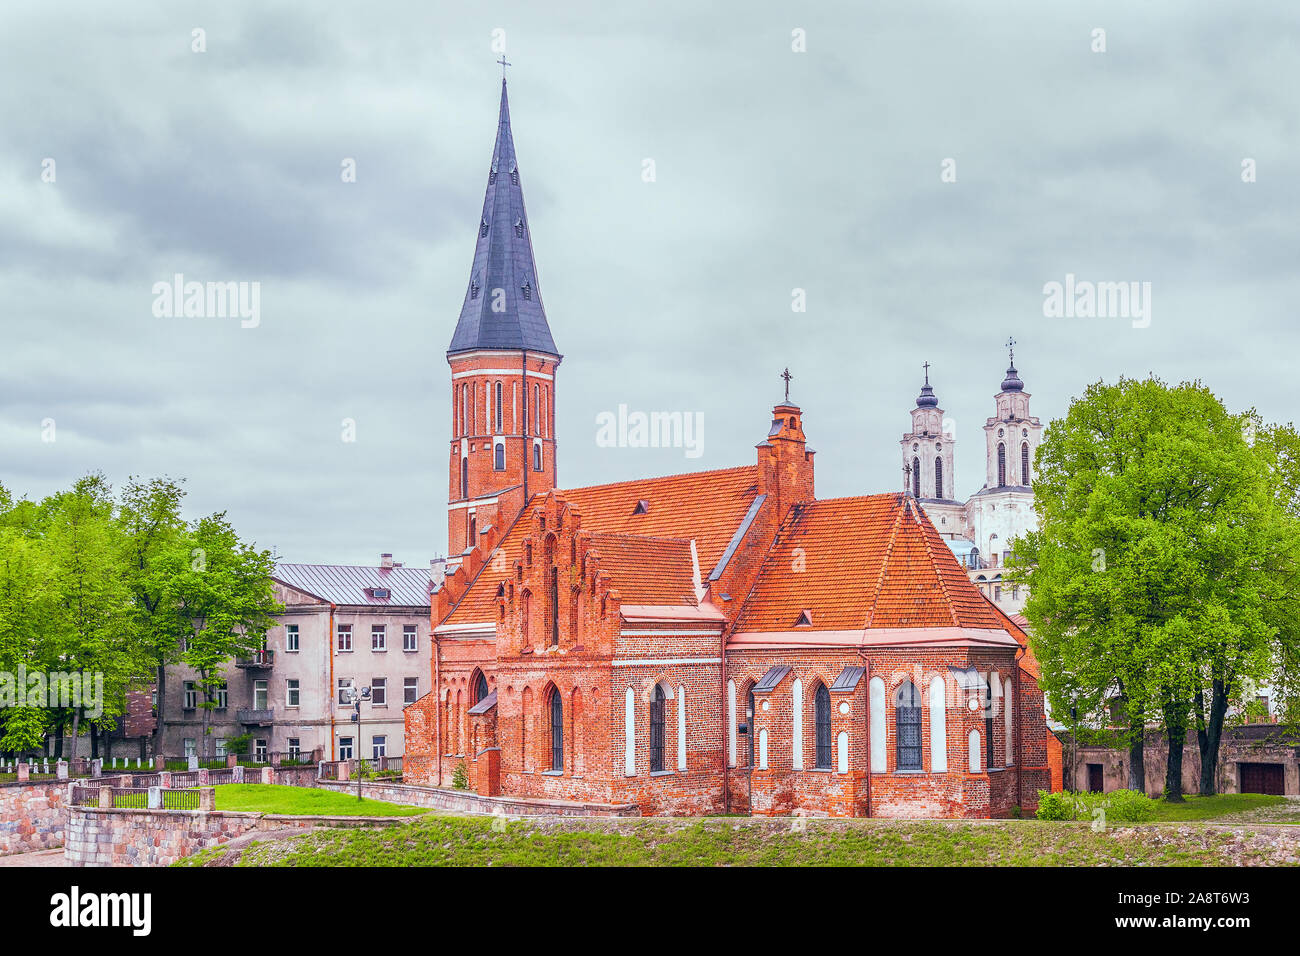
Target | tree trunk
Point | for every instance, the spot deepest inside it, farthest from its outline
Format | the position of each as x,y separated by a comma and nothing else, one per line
1210,740
76,729
160,684
1175,715
1137,773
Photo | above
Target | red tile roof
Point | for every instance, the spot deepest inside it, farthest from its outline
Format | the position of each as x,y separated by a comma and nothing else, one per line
863,563
706,506
648,570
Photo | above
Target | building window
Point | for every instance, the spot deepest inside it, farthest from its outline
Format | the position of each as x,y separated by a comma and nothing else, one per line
345,638
259,695
410,638
519,228
822,723
294,745
480,687
379,691
537,409
189,746
1024,464
379,746
223,695
993,690
191,696
938,477
259,750
657,730
471,532
378,637
1002,464
557,730
291,638
464,478
938,726
499,455
553,607
537,456
292,693
345,685
345,748
410,689
219,747
974,751
916,484
907,721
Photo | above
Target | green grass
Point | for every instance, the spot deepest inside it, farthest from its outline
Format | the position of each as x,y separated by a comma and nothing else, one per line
1210,808
271,798
464,841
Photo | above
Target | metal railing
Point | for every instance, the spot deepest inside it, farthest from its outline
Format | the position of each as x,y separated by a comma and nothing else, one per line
226,775
185,779
180,799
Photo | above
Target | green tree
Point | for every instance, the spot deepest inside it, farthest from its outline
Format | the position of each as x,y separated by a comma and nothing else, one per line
1153,562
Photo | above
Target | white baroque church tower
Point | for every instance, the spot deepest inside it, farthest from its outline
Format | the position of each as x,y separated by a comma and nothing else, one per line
980,529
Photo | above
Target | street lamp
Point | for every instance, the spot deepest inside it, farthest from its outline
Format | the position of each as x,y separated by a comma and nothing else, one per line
355,697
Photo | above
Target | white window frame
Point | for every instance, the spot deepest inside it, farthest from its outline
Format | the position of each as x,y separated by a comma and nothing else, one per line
378,638
292,692
342,632
291,639
410,690
379,692
379,746
410,638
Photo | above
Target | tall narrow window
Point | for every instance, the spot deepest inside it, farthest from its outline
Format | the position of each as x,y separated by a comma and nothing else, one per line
907,720
749,721
537,409
499,411
499,457
1002,464
471,532
537,456
822,721
546,419
557,730
916,481
938,726
1024,464
553,607
464,477
938,477
526,616
989,707
480,687
657,730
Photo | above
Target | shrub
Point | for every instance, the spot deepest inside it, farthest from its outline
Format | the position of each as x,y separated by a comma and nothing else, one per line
460,776
1056,806
1130,806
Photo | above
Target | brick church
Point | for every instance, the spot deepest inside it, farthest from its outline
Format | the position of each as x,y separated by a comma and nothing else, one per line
722,641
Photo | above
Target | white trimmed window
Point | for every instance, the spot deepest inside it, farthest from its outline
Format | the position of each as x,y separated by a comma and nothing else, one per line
345,748
379,746
292,693
345,638
410,638
379,691
410,689
291,638
378,637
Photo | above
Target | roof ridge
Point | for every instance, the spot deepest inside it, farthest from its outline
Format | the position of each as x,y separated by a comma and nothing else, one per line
635,481
934,564
884,566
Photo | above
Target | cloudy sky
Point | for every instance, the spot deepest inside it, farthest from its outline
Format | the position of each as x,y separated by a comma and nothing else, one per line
775,170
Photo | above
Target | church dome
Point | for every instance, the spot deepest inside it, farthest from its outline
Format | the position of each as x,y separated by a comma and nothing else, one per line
1012,382
927,398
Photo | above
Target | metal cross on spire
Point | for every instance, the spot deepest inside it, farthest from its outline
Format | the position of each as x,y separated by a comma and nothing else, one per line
504,63
1011,349
926,366
787,376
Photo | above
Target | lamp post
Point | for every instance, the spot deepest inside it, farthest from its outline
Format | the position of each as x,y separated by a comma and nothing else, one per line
355,697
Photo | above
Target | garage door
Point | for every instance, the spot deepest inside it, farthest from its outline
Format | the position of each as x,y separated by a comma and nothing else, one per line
1261,778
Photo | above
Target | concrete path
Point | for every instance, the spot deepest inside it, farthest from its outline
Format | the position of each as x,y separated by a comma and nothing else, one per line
35,858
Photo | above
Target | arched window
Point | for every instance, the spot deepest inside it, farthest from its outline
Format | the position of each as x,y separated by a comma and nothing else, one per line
629,734
973,748
1010,729
499,457
822,723
916,477
537,409
731,723
1002,464
877,717
993,693
938,726
1024,464
907,720
657,730
525,617
464,477
557,730
681,726
546,419
480,687
499,411
537,456
749,720
796,730
472,532
938,477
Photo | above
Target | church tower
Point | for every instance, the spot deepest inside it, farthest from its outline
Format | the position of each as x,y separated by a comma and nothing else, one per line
927,451
503,363
1012,436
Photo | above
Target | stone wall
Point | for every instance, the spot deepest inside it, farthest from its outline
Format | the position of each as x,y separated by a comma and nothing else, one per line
31,816
112,837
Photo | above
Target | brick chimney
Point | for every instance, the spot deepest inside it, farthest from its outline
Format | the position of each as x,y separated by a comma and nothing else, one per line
386,560
785,462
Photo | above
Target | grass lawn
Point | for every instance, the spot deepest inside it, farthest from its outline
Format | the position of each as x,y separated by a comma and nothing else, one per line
270,798
473,841
1209,808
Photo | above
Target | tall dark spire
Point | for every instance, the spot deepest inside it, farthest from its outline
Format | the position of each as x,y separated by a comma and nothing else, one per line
503,304
1012,382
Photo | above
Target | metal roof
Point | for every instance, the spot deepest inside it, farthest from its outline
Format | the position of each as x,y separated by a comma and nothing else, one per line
503,303
484,705
771,679
348,584
848,679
